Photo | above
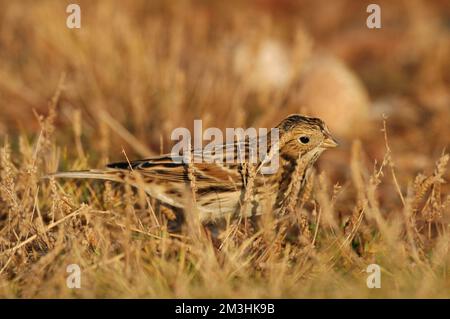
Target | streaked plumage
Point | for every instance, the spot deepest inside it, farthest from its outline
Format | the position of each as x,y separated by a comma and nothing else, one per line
223,188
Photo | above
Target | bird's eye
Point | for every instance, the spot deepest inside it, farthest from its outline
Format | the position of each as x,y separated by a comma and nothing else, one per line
304,139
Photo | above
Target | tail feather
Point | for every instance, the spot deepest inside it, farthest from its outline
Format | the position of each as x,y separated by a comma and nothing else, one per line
107,175
114,175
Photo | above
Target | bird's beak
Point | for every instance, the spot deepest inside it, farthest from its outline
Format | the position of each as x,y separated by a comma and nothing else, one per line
329,142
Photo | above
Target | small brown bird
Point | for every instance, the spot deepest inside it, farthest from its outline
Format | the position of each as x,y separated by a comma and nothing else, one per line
220,187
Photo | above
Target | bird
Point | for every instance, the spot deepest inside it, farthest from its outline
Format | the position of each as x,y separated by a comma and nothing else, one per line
221,187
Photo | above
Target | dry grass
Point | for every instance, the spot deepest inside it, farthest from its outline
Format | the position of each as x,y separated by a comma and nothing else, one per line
121,83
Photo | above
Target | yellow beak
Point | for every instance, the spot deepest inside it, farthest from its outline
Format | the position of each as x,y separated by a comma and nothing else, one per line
329,142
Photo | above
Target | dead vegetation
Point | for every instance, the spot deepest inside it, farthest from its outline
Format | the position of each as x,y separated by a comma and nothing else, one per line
121,83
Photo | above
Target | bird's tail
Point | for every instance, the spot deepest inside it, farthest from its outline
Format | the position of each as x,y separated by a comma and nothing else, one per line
106,174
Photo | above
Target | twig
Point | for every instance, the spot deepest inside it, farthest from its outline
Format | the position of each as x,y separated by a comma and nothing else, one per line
52,225
125,134
391,163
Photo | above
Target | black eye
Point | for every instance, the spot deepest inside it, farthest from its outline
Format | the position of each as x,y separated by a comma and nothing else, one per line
304,139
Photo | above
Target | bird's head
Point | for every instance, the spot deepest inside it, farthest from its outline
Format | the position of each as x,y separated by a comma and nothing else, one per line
301,134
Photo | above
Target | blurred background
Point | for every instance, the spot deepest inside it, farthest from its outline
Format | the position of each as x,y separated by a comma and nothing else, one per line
78,98
138,69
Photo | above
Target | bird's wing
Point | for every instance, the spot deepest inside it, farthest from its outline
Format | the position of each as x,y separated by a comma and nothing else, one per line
169,169
222,165
217,176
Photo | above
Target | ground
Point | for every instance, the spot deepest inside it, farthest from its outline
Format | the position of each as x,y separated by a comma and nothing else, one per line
79,98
